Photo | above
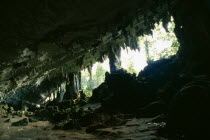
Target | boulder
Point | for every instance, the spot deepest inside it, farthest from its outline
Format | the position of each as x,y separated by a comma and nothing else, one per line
2,111
5,107
101,93
189,110
7,120
23,122
121,91
153,109
32,119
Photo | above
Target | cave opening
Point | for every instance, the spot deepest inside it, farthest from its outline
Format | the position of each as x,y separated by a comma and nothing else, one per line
97,70
91,79
160,44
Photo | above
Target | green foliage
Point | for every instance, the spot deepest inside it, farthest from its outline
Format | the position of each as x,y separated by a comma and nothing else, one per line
131,68
98,77
161,45
154,47
130,65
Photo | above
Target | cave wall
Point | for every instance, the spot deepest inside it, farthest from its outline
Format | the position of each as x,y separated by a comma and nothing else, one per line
192,30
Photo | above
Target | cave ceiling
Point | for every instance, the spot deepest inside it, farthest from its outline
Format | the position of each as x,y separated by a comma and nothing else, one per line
62,28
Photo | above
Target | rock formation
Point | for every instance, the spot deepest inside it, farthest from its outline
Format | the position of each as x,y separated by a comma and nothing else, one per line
45,44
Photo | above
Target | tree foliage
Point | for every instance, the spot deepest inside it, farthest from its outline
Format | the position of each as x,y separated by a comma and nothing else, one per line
161,44
98,77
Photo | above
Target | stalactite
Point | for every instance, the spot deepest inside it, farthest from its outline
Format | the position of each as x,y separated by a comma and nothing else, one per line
60,92
165,21
147,50
72,86
134,43
91,76
80,80
90,72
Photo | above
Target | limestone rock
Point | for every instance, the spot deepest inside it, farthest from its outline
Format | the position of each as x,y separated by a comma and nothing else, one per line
32,119
23,122
7,121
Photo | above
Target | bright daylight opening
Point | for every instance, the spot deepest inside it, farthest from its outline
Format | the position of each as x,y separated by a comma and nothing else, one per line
160,45
98,71
154,47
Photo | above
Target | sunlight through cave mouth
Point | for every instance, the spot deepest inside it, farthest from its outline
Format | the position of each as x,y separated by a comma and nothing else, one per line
160,45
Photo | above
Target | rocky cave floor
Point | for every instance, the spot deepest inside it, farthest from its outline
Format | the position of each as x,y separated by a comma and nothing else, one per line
134,128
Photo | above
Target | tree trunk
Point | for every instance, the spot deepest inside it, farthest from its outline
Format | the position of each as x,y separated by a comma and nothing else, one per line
91,76
80,80
114,58
146,43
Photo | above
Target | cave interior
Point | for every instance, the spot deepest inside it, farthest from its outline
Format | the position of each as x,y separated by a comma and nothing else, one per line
45,45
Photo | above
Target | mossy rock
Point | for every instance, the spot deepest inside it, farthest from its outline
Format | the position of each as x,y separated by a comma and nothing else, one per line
23,122
32,119
7,120
68,110
25,108
2,111
11,109
9,115
94,127
5,107
29,113
1,106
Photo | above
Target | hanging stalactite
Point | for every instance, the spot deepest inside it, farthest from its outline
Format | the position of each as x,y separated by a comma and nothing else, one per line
72,86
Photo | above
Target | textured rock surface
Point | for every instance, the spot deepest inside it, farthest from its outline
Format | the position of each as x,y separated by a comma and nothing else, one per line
42,39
